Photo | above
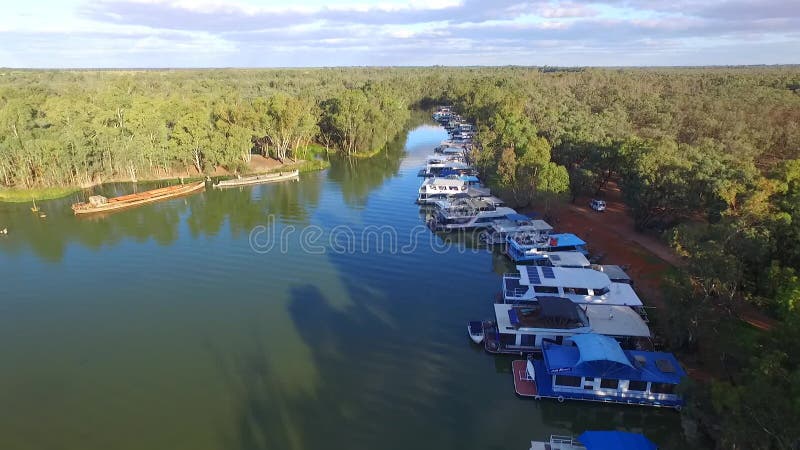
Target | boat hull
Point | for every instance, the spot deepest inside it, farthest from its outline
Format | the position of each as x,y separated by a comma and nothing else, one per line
144,198
475,331
260,179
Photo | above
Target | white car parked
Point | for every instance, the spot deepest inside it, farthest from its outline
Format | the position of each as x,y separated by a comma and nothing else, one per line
598,205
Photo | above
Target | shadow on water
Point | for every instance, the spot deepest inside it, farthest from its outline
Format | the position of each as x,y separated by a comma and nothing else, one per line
370,393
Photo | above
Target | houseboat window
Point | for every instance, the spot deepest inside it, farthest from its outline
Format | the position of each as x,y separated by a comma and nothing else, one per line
508,339
576,291
608,383
637,386
545,289
601,291
662,388
453,188
528,340
569,381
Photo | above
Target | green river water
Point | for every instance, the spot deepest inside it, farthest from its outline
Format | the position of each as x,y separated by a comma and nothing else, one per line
180,325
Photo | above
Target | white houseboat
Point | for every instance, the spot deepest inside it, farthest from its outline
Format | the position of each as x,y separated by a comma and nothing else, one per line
520,329
577,284
467,213
499,231
434,189
446,168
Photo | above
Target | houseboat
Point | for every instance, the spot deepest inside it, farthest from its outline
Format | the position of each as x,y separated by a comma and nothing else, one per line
449,148
443,113
526,247
595,368
499,231
579,285
597,440
446,168
443,158
467,213
435,189
521,329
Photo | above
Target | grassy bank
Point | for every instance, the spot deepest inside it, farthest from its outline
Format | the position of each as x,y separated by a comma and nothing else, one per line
28,195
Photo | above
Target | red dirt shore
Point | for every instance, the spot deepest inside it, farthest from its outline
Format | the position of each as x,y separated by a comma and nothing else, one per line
612,234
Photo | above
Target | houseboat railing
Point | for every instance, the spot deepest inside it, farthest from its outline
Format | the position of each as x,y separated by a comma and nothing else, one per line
562,440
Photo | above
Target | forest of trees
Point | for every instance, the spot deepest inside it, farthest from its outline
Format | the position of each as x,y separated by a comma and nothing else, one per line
708,157
80,128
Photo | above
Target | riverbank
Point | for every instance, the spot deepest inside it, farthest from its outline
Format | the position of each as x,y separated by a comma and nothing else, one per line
29,195
259,165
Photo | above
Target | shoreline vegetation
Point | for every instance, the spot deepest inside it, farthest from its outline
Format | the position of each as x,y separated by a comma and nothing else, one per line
707,158
25,195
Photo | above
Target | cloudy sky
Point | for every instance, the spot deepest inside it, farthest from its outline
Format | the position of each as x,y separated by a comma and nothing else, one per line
270,33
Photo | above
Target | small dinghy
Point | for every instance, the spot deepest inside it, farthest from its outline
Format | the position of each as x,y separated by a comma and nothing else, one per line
475,330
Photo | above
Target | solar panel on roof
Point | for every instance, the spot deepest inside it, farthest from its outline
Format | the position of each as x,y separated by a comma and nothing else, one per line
533,276
548,272
555,257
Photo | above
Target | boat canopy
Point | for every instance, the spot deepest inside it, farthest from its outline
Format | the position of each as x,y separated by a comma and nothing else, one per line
615,440
565,240
558,308
518,217
567,259
605,358
469,178
595,347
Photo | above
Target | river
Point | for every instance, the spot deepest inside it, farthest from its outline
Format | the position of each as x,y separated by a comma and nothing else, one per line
282,316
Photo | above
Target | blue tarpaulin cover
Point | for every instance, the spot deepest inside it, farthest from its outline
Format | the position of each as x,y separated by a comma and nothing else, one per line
602,362
469,178
567,239
615,440
595,347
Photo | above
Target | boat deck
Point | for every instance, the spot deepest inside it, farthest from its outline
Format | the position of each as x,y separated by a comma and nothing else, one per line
547,391
524,386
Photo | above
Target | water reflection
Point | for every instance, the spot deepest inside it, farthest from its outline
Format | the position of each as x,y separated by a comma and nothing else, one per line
163,318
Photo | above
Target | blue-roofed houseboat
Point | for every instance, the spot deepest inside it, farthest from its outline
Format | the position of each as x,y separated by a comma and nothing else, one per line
597,440
597,369
527,248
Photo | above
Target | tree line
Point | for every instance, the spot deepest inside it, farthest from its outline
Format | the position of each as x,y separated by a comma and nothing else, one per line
79,128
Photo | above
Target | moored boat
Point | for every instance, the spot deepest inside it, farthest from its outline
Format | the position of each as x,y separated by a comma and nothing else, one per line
597,369
523,329
475,331
100,204
596,440
258,179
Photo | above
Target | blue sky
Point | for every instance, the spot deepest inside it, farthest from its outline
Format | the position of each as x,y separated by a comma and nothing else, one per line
269,33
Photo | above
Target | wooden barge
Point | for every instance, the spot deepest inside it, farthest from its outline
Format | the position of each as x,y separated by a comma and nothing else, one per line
100,204
258,179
